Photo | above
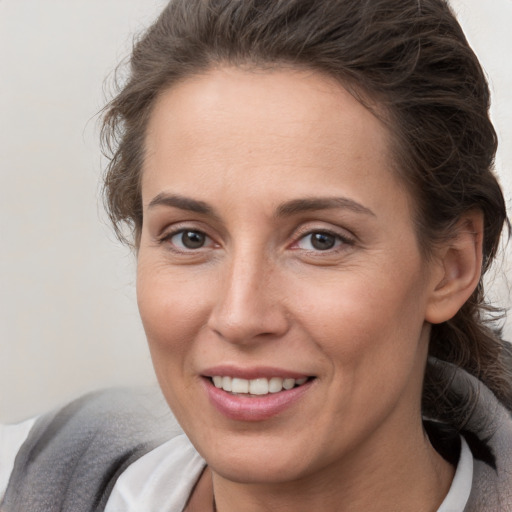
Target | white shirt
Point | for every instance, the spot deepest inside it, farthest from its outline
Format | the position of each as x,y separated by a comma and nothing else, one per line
162,480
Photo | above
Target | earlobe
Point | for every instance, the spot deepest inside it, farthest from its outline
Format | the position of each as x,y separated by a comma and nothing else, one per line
459,267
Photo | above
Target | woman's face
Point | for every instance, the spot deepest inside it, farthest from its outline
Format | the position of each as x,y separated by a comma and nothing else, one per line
278,249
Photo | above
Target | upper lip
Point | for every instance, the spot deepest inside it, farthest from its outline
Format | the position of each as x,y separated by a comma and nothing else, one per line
255,372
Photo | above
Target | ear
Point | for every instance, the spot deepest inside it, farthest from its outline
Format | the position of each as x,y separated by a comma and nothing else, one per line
457,269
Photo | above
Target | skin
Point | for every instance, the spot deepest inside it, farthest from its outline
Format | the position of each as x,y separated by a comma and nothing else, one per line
258,293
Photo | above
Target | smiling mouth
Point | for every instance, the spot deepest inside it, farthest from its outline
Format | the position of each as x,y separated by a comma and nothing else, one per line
256,387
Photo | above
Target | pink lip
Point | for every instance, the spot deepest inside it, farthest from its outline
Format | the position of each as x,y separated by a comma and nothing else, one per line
252,373
244,408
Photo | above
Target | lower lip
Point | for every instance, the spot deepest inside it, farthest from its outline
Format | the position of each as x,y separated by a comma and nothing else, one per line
254,408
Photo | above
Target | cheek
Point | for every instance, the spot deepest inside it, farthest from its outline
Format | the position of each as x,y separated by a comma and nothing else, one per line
370,331
173,311
365,316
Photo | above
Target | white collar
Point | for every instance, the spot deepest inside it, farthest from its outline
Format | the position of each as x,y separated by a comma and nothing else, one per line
458,495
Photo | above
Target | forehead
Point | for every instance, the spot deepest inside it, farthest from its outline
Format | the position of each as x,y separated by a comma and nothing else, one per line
282,125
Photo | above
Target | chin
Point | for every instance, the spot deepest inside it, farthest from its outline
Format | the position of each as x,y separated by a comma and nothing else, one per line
262,471
261,459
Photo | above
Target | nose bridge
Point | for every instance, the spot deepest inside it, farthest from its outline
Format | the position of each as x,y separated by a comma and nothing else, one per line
248,305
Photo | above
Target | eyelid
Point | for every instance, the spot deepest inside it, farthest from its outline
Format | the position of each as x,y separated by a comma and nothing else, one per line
176,229
337,242
343,234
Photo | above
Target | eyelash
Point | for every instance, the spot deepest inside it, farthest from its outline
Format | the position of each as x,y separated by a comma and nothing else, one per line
342,241
167,239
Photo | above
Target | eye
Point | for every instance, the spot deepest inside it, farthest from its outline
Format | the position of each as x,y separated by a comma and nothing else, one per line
320,241
189,240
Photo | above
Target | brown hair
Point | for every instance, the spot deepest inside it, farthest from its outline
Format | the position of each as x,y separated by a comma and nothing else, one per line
409,57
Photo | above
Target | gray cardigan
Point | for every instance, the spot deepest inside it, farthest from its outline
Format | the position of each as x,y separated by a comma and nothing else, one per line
73,457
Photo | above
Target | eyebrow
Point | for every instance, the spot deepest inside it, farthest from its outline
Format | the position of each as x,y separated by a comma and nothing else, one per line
320,203
286,209
183,203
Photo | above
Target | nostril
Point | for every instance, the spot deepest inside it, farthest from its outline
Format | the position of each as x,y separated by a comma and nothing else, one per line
247,310
247,333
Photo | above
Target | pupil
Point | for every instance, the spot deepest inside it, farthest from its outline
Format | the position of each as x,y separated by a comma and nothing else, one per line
192,239
322,241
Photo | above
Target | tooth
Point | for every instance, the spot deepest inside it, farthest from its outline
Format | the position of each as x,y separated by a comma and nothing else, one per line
226,383
288,383
275,384
258,387
239,385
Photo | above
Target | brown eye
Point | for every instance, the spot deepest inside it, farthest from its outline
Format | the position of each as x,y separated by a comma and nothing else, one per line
323,241
189,240
319,241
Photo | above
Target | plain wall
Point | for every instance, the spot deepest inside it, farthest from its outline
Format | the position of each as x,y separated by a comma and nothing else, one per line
68,316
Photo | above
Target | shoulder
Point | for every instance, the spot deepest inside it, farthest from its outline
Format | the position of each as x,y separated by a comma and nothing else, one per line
86,446
488,432
11,439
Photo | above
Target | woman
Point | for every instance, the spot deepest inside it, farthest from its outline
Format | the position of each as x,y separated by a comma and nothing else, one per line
310,194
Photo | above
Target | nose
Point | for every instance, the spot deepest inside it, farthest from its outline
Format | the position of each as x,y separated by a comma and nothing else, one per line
248,308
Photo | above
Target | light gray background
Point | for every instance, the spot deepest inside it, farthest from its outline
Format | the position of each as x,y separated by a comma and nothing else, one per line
68,317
